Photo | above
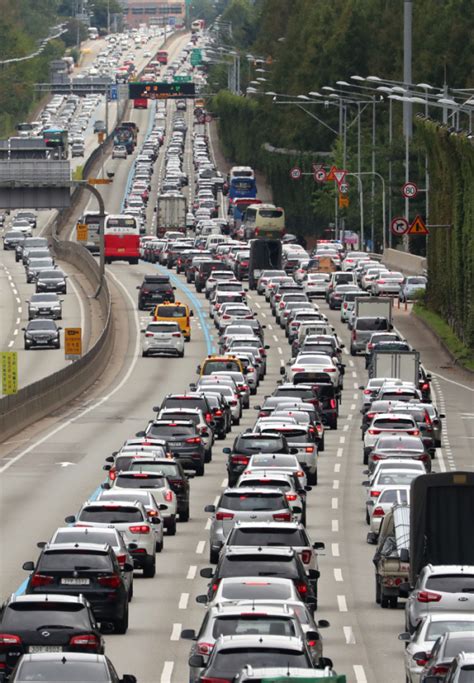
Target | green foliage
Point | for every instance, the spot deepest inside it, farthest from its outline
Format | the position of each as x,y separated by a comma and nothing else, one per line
242,14
203,9
463,354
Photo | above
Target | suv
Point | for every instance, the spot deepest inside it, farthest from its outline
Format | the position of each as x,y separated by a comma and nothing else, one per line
245,445
184,442
246,505
83,569
155,289
300,437
131,519
362,330
38,622
203,271
196,416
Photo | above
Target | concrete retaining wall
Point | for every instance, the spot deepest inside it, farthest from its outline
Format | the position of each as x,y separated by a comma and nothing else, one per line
407,263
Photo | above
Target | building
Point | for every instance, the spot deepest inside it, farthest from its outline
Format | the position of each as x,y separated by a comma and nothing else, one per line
154,12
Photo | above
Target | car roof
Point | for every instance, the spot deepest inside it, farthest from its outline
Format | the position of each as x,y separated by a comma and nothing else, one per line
258,551
77,547
45,597
247,490
63,657
262,642
268,525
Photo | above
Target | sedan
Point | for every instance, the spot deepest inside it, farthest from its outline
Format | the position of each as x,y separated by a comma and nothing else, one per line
53,280
45,306
387,283
411,286
42,332
162,337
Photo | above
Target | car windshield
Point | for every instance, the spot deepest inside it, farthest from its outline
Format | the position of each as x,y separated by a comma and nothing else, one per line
235,659
255,589
220,366
252,502
451,583
253,624
262,537
111,514
34,615
267,565
53,274
62,560
41,325
55,671
50,298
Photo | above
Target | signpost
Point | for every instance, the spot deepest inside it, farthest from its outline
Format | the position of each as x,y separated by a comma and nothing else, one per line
72,343
182,79
295,173
399,226
409,190
160,91
9,365
320,175
418,227
339,175
81,232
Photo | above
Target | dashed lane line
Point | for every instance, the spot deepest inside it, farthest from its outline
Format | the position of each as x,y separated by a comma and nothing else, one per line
176,632
183,601
342,603
335,550
192,572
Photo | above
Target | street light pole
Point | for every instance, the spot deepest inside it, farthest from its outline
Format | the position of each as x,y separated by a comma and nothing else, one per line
407,106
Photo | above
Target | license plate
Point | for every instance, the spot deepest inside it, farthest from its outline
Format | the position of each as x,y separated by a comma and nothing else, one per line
44,310
42,341
75,582
45,648
177,443
120,249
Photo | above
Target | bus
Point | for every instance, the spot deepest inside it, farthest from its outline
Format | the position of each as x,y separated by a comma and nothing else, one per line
242,186
93,33
57,140
197,25
264,221
121,239
140,103
91,219
162,56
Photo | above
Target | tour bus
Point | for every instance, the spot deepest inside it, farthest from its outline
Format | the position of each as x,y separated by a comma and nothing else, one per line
264,221
93,33
91,219
197,25
242,186
121,239
57,139
162,56
241,172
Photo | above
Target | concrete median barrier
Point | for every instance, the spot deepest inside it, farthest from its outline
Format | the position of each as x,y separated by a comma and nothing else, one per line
410,264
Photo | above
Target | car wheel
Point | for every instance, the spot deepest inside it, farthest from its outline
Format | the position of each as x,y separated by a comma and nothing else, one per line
184,515
367,516
236,421
334,423
377,590
365,458
171,528
159,546
322,444
313,478
353,352
208,456
200,470
130,592
149,569
213,556
144,354
121,625
383,600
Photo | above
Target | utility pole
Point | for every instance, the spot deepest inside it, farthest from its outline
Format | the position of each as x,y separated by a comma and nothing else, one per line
407,106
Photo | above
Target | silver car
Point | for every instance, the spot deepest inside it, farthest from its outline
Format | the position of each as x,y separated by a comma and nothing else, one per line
246,505
149,503
440,588
45,306
162,338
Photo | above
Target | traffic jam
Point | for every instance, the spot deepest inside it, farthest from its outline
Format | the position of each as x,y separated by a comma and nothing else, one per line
285,328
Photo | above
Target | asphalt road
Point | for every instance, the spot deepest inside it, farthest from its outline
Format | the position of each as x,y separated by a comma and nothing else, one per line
62,468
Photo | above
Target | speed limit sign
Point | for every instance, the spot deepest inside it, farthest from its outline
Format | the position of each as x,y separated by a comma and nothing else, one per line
295,173
409,190
320,175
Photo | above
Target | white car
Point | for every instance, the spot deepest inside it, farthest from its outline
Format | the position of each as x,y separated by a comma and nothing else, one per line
387,283
255,589
388,423
146,499
315,284
383,477
231,397
315,362
388,497
162,337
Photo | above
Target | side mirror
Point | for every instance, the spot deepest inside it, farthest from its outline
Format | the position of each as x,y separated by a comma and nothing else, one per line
162,506
41,544
312,635
105,486
70,520
319,545
366,482
128,678
140,434
110,458
257,407
406,637
210,508
138,287
202,599
23,329
191,313
174,287
308,488
107,467
282,370
314,573
156,409
227,451
372,538
266,347
207,573
128,567
361,387
188,634
323,623
442,415
197,661
404,555
28,566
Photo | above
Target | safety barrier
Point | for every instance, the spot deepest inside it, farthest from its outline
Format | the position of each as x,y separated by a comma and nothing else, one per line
410,264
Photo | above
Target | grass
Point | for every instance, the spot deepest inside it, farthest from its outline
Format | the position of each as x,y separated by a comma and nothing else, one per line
463,354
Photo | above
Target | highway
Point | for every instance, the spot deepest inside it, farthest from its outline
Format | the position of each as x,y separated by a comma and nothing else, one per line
50,475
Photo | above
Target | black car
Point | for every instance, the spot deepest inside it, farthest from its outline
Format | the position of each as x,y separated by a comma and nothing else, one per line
245,445
79,666
36,622
221,414
12,239
155,289
41,333
83,569
204,270
326,392
284,563
29,242
184,442
53,280
303,391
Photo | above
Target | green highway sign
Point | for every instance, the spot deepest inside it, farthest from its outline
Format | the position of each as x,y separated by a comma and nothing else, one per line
160,91
196,56
182,79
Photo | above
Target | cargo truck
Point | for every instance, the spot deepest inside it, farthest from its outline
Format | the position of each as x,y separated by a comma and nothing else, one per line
404,365
373,307
264,255
171,212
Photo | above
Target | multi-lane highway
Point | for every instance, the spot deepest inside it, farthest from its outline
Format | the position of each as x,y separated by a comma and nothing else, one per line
49,475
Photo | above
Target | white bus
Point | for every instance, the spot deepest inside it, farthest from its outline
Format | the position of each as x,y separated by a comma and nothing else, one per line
91,219
93,33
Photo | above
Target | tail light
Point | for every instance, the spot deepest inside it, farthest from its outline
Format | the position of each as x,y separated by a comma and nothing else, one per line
378,457
139,529
112,474
239,459
208,417
370,345
226,317
282,304
41,580
414,432
299,473
88,640
8,639
309,449
353,335
204,648
439,670
428,596
176,334
169,496
291,496
367,392
380,282
282,517
329,370
378,512
374,431
301,587
149,334
121,559
306,556
193,439
215,585
213,679
221,516
375,494
218,413
425,386
370,415
113,581
233,402
177,483
333,403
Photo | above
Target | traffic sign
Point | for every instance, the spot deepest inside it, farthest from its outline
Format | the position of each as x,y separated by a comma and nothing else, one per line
343,188
418,227
72,343
399,226
295,173
160,91
316,165
343,201
339,175
113,93
331,175
99,181
9,364
81,232
409,190
182,79
320,175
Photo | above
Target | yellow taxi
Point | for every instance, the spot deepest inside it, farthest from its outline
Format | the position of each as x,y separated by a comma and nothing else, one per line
176,312
216,363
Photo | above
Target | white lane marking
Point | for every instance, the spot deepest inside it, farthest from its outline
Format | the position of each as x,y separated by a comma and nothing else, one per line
19,307
335,525
334,503
339,452
335,484
15,291
15,332
270,326
280,351
451,381
256,304
18,320
342,439
354,374
335,549
96,404
356,386
167,672
200,547
337,467
275,337
353,406
351,363
355,395
349,635
359,673
346,351
346,427
191,572
176,632
10,344
338,574
341,603
208,524
18,300
216,500
183,601
264,315
224,483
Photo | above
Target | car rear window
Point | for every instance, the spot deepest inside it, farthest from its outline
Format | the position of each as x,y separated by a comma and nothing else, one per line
393,424
276,537
62,560
451,583
268,444
171,312
111,514
295,435
256,590
97,536
167,328
248,502
398,395
192,417
235,659
170,430
295,392
367,324
140,480
185,402
76,672
268,483
456,645
268,461
253,624
36,615
439,628
283,566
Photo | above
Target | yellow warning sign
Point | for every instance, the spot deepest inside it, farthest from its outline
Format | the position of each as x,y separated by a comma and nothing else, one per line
99,181
81,232
72,343
331,175
9,364
418,227
343,201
